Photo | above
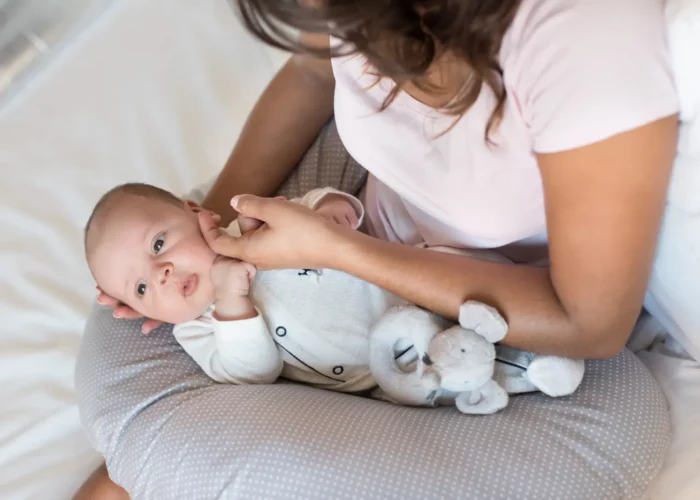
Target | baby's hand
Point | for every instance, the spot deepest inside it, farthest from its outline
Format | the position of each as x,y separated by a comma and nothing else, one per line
231,278
336,208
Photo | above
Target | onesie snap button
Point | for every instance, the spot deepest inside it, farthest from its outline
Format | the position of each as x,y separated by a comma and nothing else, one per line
281,331
338,370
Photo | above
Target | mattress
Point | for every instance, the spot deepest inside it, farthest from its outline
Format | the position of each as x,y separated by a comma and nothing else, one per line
180,70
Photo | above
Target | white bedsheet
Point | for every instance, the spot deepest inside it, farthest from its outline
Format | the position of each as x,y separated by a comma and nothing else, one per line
680,381
155,91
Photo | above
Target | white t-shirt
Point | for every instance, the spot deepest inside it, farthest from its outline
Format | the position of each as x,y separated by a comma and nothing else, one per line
576,72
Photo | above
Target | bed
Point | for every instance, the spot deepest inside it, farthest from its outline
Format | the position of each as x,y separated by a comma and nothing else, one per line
69,109
55,161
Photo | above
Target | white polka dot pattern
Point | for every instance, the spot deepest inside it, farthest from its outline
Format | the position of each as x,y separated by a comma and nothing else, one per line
168,432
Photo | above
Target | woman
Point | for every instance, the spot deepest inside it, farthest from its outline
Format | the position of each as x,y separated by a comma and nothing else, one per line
536,127
516,125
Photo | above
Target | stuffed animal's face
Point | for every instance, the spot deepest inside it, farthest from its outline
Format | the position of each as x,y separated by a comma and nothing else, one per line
463,359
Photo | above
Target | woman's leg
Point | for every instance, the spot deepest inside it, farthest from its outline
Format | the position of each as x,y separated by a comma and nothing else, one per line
100,487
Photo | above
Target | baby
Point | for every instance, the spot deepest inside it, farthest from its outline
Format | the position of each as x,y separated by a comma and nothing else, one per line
145,248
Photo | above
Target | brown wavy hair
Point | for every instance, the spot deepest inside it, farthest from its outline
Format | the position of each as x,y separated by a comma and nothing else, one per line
401,39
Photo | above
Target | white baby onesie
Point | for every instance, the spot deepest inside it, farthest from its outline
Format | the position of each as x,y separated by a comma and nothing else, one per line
312,327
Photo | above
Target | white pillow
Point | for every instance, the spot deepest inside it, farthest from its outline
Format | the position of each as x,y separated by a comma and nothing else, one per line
683,18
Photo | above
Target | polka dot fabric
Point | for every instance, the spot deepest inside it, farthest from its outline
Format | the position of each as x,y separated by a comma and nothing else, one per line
167,431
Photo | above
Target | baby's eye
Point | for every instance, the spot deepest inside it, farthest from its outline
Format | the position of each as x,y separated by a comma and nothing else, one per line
141,289
158,244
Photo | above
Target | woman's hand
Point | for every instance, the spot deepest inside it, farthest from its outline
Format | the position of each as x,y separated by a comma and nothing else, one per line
292,236
122,311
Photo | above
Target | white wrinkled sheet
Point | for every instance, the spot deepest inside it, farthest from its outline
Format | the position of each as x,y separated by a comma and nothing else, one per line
675,293
680,381
153,91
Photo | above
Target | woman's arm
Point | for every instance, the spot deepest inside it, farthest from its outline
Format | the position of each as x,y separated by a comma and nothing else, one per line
283,124
604,207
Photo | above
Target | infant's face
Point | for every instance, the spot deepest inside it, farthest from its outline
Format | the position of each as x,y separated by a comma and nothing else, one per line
151,255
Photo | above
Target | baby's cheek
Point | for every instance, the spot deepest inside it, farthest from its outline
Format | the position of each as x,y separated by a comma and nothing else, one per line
187,311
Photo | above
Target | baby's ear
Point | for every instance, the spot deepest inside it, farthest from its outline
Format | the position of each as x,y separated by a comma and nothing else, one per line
192,206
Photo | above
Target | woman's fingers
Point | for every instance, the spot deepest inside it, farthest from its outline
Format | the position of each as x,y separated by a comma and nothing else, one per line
149,325
125,312
106,300
217,239
122,311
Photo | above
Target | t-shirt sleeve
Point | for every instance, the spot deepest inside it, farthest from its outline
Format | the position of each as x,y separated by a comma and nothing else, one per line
582,71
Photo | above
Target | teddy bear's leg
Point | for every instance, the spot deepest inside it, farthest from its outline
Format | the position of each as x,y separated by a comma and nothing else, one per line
514,380
485,401
556,376
484,320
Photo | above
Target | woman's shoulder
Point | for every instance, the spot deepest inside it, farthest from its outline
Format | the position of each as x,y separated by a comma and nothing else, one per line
573,19
584,70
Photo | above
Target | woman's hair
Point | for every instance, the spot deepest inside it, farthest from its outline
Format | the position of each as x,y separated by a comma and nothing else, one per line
399,38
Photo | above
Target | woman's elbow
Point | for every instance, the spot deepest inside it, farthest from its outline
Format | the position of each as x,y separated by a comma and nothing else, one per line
604,349
604,343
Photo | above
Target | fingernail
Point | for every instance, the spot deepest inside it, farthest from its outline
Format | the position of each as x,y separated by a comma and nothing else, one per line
117,315
234,201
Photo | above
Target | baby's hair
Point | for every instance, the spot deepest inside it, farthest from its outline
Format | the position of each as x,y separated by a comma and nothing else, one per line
139,189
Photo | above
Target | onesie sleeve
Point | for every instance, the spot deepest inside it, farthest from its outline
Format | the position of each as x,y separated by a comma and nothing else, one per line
237,352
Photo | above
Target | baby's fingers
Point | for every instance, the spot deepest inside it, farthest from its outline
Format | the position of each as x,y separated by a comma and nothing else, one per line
248,224
250,270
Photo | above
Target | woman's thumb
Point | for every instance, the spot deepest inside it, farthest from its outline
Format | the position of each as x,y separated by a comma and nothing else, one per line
218,240
252,206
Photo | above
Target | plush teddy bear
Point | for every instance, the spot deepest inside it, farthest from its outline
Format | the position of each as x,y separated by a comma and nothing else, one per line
459,364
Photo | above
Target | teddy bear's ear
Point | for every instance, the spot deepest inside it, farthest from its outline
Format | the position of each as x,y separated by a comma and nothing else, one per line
484,320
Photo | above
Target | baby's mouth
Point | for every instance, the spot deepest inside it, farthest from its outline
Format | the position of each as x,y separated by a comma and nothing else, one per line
190,285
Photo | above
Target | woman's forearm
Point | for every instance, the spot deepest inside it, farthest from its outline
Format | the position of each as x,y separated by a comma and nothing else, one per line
282,126
442,282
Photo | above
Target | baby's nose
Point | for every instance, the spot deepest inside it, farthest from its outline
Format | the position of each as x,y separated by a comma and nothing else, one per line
165,271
